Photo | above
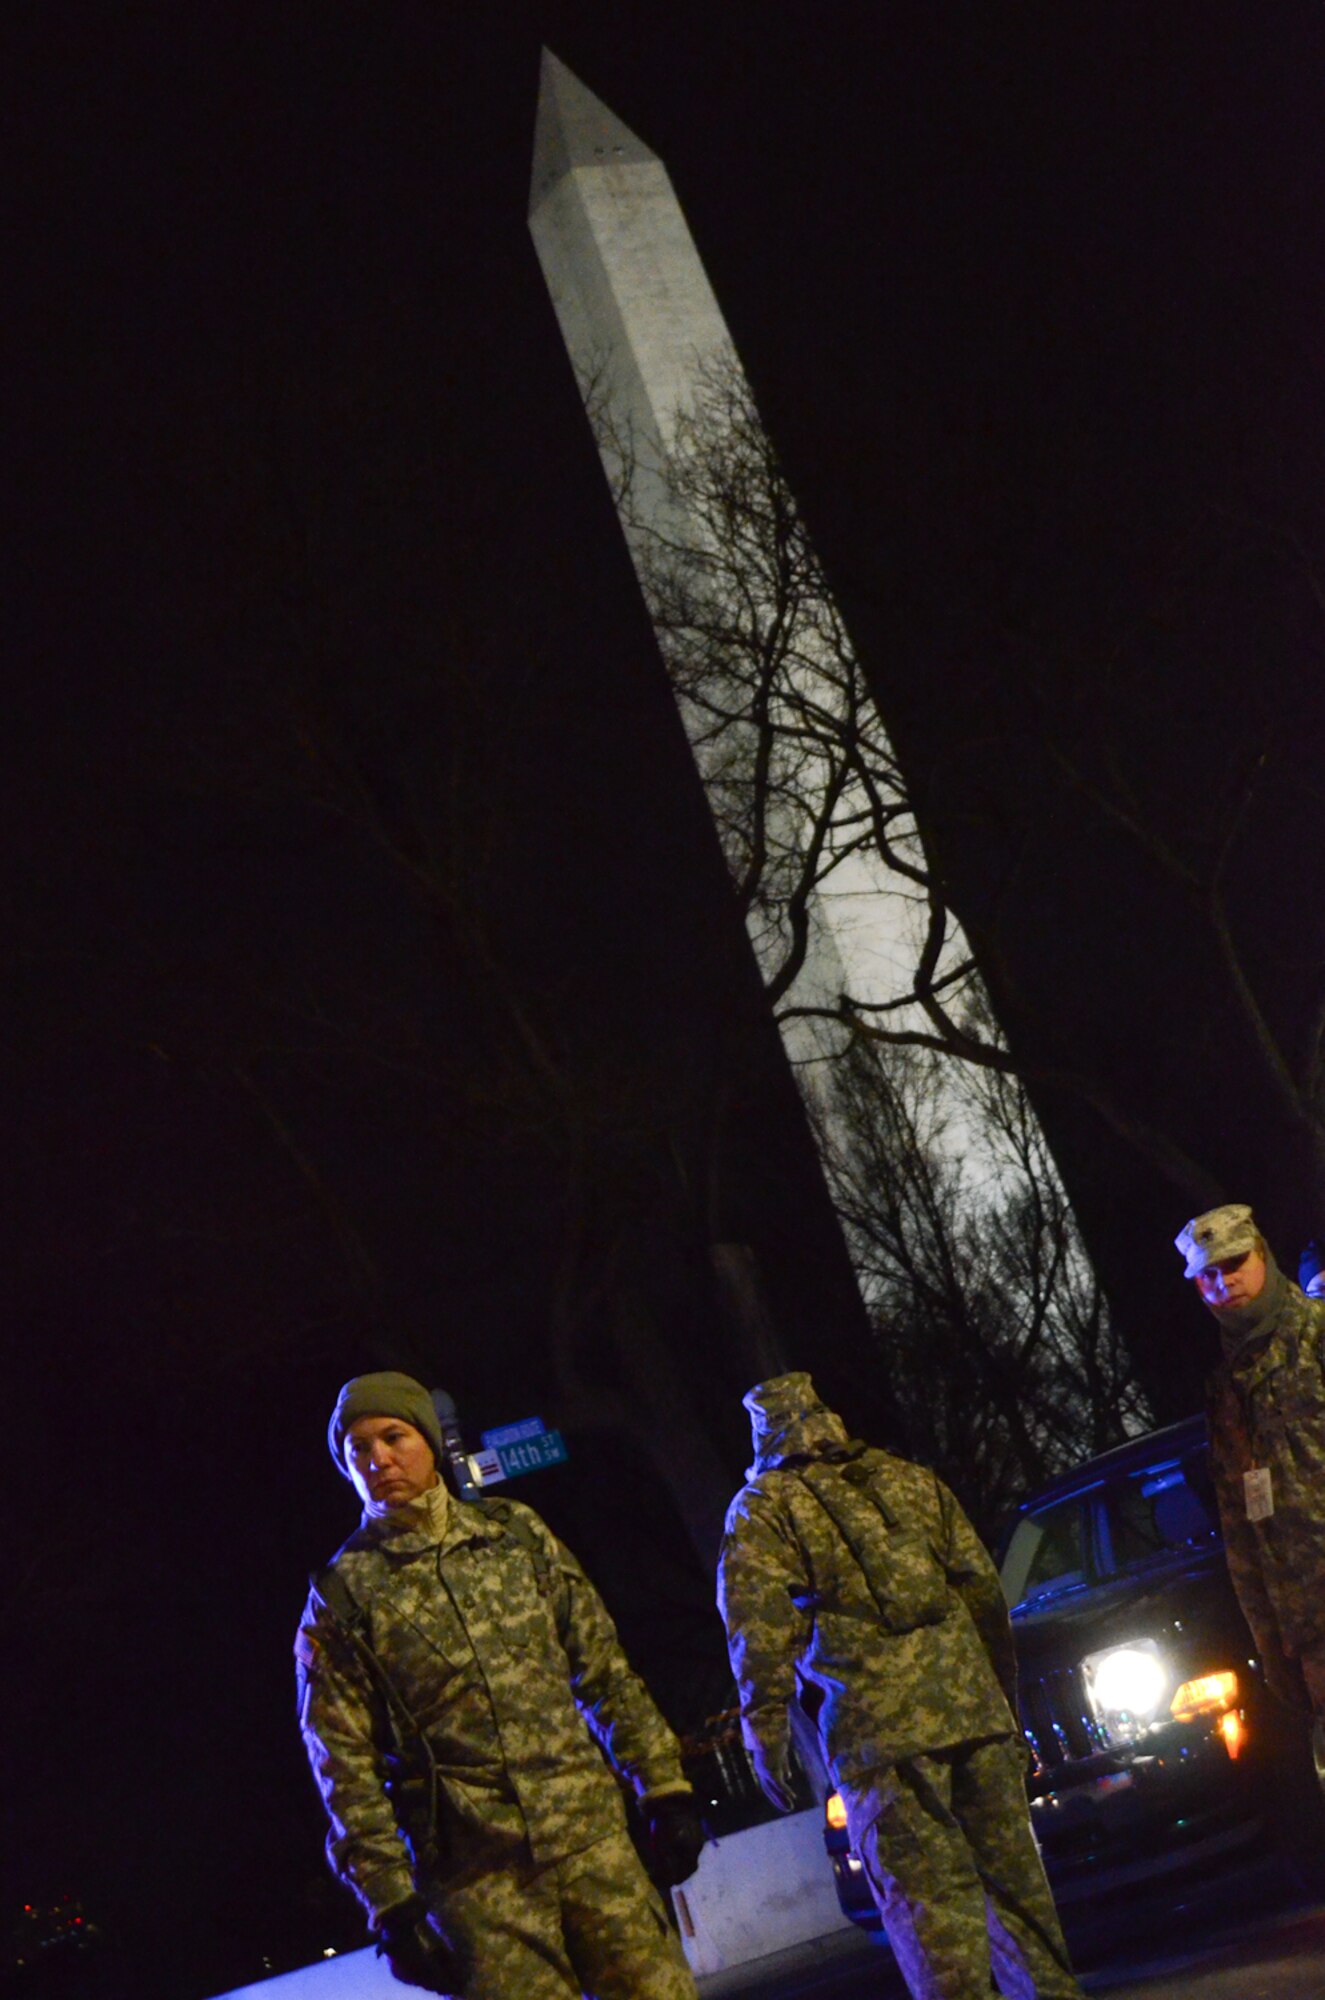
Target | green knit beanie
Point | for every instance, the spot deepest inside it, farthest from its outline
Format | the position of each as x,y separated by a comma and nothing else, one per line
386,1394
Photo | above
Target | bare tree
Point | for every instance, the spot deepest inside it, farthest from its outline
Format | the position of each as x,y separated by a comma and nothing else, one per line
372,1024
990,1321
1230,773
846,906
414,767
808,799
992,1328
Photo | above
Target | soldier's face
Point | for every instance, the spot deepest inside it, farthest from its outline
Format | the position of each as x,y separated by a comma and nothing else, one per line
1235,1282
389,1461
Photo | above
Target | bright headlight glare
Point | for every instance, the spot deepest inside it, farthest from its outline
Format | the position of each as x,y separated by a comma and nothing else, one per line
1129,1681
1209,1694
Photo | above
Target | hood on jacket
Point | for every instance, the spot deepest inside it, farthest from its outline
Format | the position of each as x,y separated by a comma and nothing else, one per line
788,1421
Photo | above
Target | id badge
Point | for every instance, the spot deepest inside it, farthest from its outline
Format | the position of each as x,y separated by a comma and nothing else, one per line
1260,1493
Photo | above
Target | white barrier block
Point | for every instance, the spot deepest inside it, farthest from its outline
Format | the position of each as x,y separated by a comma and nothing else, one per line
758,1892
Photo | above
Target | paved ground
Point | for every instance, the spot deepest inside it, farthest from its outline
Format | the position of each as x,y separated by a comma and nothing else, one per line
1283,1959
1244,1943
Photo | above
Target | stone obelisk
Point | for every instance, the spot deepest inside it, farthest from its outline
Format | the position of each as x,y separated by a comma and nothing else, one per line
625,277
643,328
644,333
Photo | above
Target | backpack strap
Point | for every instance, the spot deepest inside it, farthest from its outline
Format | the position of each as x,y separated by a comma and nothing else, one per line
351,1621
330,1586
814,1487
900,1593
411,1783
518,1528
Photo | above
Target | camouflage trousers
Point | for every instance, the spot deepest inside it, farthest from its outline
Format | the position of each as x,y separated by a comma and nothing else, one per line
959,1883
593,1925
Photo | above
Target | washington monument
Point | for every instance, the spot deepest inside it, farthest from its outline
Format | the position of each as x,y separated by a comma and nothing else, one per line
841,905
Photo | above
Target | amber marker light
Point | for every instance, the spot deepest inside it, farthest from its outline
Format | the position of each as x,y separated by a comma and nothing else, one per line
1233,1730
835,1812
1208,1694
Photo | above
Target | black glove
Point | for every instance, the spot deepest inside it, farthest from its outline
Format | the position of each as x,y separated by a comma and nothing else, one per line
417,1949
676,1838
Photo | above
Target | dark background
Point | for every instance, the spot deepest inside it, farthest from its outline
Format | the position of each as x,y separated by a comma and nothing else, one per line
320,603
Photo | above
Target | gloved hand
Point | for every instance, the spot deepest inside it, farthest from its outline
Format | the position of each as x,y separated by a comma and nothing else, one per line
773,1770
676,1837
417,1949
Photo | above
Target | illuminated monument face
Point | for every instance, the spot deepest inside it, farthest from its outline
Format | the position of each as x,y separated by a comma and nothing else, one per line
815,825
621,265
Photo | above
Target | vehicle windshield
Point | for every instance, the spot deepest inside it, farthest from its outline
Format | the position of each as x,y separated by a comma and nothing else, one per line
1046,1554
1155,1513
1158,1512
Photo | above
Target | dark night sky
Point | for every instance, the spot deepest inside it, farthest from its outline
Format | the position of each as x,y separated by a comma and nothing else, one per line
1033,306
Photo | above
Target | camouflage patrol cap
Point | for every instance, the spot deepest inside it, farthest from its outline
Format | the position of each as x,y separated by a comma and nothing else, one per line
386,1394
1216,1236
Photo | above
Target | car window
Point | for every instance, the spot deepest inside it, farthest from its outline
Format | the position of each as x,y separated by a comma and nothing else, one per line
1046,1554
1159,1511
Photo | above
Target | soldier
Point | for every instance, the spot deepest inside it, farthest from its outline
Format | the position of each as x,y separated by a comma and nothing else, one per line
1266,1406
853,1580
455,1667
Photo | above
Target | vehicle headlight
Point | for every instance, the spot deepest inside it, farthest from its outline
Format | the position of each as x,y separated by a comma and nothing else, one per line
1127,1686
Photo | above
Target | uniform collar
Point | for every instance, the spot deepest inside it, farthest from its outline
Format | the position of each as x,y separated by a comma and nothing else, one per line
436,1520
419,1524
1240,1326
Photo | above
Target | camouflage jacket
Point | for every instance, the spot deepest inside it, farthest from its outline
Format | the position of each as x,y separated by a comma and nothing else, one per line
506,1663
859,1576
1266,1407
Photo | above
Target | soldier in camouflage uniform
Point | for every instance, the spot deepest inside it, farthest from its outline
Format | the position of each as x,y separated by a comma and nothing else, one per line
853,1581
1267,1444
525,1886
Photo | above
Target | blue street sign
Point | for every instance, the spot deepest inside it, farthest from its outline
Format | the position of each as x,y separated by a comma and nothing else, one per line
528,1427
532,1454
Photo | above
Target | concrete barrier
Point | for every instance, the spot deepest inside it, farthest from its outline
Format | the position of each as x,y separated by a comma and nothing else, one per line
758,1892
754,1894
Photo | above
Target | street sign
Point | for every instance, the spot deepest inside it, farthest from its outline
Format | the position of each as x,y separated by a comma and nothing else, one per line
528,1427
532,1454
